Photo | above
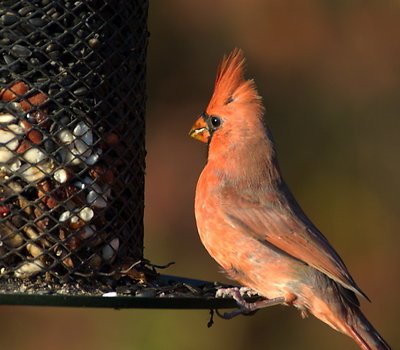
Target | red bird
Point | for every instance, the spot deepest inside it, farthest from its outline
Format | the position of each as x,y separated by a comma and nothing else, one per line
250,223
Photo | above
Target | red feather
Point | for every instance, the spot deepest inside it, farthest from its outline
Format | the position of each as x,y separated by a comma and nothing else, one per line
249,221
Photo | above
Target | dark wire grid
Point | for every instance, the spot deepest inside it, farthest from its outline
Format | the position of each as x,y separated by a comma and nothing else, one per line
86,60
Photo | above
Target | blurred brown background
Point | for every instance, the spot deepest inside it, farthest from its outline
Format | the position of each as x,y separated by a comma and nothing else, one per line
329,73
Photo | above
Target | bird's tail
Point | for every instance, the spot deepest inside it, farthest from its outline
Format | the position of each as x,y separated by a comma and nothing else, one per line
361,330
341,311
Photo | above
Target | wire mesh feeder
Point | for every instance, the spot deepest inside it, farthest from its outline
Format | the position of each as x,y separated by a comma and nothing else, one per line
72,104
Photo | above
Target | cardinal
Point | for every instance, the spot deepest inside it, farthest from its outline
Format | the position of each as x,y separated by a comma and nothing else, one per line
250,223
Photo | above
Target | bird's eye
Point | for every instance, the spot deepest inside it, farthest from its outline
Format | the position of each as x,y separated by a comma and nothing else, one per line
215,121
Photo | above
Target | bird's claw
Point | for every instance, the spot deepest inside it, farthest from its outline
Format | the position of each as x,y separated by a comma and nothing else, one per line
235,292
245,308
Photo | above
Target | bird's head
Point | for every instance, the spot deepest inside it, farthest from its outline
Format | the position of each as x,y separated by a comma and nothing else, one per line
235,110
240,145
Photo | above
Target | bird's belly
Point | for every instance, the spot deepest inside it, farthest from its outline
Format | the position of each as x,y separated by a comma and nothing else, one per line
252,263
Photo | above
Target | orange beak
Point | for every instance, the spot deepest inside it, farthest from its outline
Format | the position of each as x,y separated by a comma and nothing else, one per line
200,131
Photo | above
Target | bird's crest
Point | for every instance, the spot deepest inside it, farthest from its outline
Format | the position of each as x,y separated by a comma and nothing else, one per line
231,85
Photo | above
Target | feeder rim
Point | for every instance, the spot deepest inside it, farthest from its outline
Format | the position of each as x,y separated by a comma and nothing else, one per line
122,302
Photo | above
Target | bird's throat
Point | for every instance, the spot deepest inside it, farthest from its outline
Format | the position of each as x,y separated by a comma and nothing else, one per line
242,167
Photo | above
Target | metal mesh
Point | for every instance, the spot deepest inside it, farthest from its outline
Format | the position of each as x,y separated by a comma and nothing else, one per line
72,99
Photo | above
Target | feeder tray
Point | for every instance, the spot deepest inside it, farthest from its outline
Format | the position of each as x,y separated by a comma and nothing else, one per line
169,292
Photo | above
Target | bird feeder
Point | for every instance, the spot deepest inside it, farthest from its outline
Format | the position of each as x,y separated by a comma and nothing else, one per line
72,151
72,158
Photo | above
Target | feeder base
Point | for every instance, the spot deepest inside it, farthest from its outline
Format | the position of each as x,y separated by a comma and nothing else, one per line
172,293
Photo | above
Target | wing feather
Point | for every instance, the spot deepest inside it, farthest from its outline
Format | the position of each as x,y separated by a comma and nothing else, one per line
283,224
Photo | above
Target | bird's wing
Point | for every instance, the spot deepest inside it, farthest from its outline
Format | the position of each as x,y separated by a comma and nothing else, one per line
284,225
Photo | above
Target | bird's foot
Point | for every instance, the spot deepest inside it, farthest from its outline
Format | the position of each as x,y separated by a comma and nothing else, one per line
245,308
235,292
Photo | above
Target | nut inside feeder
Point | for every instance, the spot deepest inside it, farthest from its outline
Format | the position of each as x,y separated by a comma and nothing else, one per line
71,137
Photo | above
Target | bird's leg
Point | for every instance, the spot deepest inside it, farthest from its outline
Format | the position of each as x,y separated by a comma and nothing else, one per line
244,307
